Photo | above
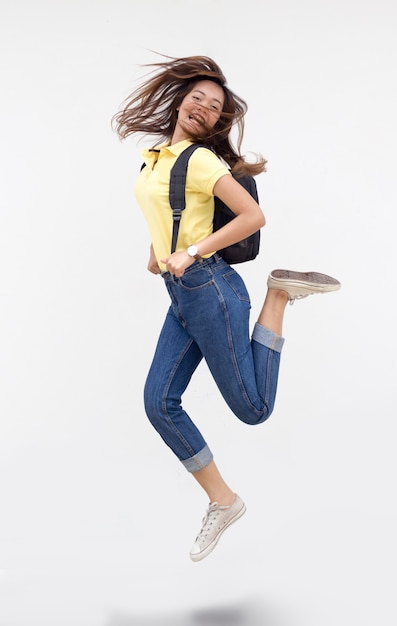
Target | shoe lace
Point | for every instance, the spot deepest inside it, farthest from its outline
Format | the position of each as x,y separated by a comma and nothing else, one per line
292,300
209,520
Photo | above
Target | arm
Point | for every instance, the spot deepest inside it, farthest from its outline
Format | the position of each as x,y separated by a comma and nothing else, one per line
249,218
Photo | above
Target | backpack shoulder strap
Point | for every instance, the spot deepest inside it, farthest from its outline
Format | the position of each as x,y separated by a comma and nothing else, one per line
177,189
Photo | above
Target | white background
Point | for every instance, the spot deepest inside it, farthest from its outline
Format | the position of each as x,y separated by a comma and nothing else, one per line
96,514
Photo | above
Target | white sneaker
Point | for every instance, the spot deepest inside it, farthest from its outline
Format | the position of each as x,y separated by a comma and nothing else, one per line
301,284
215,522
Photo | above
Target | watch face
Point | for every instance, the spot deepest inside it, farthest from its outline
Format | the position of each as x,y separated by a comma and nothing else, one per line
192,250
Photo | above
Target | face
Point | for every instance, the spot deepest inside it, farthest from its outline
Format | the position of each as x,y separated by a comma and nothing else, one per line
199,110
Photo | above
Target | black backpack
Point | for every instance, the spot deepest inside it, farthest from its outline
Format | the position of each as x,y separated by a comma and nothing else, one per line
244,250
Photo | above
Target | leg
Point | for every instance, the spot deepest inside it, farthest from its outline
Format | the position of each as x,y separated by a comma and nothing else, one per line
272,313
210,479
175,360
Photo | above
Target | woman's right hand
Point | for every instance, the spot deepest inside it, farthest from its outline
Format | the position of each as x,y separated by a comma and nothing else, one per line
177,262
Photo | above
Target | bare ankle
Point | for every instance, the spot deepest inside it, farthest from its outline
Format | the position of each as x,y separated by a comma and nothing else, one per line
226,499
277,294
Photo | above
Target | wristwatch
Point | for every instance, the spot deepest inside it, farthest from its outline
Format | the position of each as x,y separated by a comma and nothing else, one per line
193,252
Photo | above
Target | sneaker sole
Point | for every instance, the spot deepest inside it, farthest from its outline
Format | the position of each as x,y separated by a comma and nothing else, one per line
211,546
303,282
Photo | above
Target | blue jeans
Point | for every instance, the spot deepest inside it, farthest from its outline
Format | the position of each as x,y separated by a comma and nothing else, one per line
209,317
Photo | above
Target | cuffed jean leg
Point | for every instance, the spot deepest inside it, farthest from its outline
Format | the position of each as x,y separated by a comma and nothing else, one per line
176,358
266,350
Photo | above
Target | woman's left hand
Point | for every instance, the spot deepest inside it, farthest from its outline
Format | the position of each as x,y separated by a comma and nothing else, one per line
177,262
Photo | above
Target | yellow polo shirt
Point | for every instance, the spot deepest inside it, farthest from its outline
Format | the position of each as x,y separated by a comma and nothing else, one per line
152,194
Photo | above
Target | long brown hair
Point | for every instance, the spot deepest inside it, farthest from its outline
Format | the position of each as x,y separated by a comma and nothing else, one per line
152,108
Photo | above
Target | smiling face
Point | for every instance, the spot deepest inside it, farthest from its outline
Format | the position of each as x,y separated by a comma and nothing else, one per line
199,111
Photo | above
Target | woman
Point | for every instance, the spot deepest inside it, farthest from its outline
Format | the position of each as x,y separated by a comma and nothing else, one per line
187,100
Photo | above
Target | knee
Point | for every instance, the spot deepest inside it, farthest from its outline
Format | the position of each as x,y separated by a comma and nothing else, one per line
251,415
152,405
158,408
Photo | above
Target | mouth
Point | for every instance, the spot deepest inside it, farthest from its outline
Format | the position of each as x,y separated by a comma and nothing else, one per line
197,119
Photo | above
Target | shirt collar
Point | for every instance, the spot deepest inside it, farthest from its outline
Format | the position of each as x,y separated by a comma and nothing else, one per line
150,155
178,148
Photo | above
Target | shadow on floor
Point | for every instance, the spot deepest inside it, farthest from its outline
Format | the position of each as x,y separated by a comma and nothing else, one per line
248,614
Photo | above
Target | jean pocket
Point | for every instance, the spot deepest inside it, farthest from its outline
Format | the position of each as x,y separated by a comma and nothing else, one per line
236,283
195,280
